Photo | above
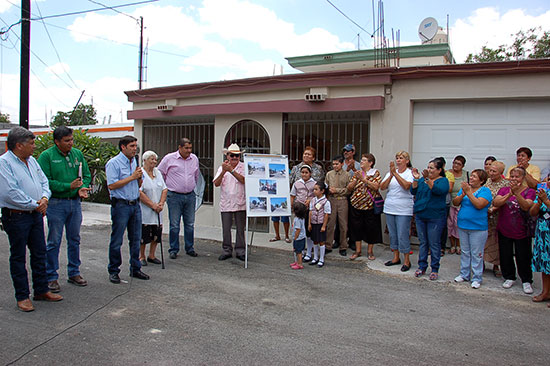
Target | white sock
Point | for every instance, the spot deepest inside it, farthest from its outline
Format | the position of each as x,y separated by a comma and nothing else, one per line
309,243
316,251
322,258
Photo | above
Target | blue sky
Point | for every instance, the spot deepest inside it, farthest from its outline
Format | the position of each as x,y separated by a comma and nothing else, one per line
209,40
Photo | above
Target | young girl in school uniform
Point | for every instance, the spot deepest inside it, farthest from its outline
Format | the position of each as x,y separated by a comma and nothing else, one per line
302,191
319,209
299,234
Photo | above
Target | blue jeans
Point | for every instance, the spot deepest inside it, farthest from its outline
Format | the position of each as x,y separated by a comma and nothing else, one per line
429,234
26,230
124,216
399,227
63,213
472,244
181,205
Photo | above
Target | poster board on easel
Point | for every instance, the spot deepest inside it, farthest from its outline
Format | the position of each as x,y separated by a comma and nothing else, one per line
267,187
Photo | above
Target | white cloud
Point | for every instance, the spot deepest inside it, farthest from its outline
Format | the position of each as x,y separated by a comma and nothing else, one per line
108,98
488,27
4,6
58,69
242,20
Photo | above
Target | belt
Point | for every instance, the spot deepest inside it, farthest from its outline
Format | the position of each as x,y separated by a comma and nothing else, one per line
114,201
10,211
339,198
67,198
182,192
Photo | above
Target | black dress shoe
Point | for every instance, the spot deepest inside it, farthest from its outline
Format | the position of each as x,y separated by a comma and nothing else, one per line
173,255
154,260
335,245
328,251
143,262
114,278
405,268
240,257
343,253
192,254
224,257
390,263
140,275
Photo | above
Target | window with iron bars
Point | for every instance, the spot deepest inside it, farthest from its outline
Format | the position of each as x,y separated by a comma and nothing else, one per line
163,137
328,133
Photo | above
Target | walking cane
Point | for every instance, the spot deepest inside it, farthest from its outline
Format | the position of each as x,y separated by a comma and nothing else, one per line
161,250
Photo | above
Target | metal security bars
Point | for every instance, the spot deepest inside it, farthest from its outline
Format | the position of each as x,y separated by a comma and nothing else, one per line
163,138
328,133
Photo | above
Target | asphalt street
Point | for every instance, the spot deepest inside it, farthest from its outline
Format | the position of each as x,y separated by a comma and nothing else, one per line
200,311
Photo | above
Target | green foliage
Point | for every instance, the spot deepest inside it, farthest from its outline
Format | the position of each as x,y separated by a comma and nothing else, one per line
531,44
96,152
4,118
84,114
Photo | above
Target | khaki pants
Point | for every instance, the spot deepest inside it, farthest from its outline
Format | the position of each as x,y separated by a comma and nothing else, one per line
339,212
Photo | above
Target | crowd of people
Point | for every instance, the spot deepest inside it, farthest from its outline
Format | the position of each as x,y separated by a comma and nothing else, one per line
487,216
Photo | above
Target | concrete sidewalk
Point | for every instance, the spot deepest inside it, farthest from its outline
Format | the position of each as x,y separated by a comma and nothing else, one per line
99,214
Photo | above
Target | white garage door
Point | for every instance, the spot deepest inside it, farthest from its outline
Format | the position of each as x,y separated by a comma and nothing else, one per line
478,129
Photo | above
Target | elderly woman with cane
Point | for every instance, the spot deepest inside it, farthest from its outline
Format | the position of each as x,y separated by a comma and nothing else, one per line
152,195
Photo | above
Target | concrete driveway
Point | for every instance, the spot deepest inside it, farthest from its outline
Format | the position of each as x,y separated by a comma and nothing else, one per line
199,311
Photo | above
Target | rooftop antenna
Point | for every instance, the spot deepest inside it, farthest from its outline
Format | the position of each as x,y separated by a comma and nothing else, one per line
427,30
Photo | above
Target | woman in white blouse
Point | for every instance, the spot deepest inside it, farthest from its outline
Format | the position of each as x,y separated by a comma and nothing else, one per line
152,195
398,208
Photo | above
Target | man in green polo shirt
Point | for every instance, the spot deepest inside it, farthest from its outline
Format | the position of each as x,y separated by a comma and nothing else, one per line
69,179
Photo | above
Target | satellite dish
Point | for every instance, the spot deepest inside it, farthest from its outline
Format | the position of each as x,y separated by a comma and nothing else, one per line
427,29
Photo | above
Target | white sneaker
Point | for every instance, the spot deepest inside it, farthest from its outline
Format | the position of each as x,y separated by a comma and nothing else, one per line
508,283
476,285
527,288
459,279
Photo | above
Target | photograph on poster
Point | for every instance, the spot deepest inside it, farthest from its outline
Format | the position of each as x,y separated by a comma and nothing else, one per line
277,170
268,185
256,169
257,204
279,205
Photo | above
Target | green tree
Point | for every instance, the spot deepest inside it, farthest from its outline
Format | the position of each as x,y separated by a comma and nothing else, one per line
4,118
526,45
96,152
84,114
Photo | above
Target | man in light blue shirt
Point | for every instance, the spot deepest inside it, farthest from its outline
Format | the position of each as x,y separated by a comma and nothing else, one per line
24,200
123,180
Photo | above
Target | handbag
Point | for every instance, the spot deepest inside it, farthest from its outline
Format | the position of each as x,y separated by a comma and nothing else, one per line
378,203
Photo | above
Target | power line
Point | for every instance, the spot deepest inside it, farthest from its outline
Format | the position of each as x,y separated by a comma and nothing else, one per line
117,42
92,10
55,49
42,61
351,20
113,9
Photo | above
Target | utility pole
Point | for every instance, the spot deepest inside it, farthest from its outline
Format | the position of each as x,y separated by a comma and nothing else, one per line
25,63
140,67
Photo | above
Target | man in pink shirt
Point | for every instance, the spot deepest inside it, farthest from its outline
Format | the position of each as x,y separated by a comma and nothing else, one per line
180,171
230,178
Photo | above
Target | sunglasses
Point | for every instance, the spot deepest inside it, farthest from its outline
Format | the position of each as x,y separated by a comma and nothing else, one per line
234,155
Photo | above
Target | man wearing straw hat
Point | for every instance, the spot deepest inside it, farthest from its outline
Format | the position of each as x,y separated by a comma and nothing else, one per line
230,178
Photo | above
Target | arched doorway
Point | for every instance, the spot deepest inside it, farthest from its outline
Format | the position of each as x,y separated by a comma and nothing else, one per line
252,137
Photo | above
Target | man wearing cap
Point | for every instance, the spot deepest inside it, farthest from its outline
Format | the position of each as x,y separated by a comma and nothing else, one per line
350,164
24,200
230,179
69,179
123,180
180,171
